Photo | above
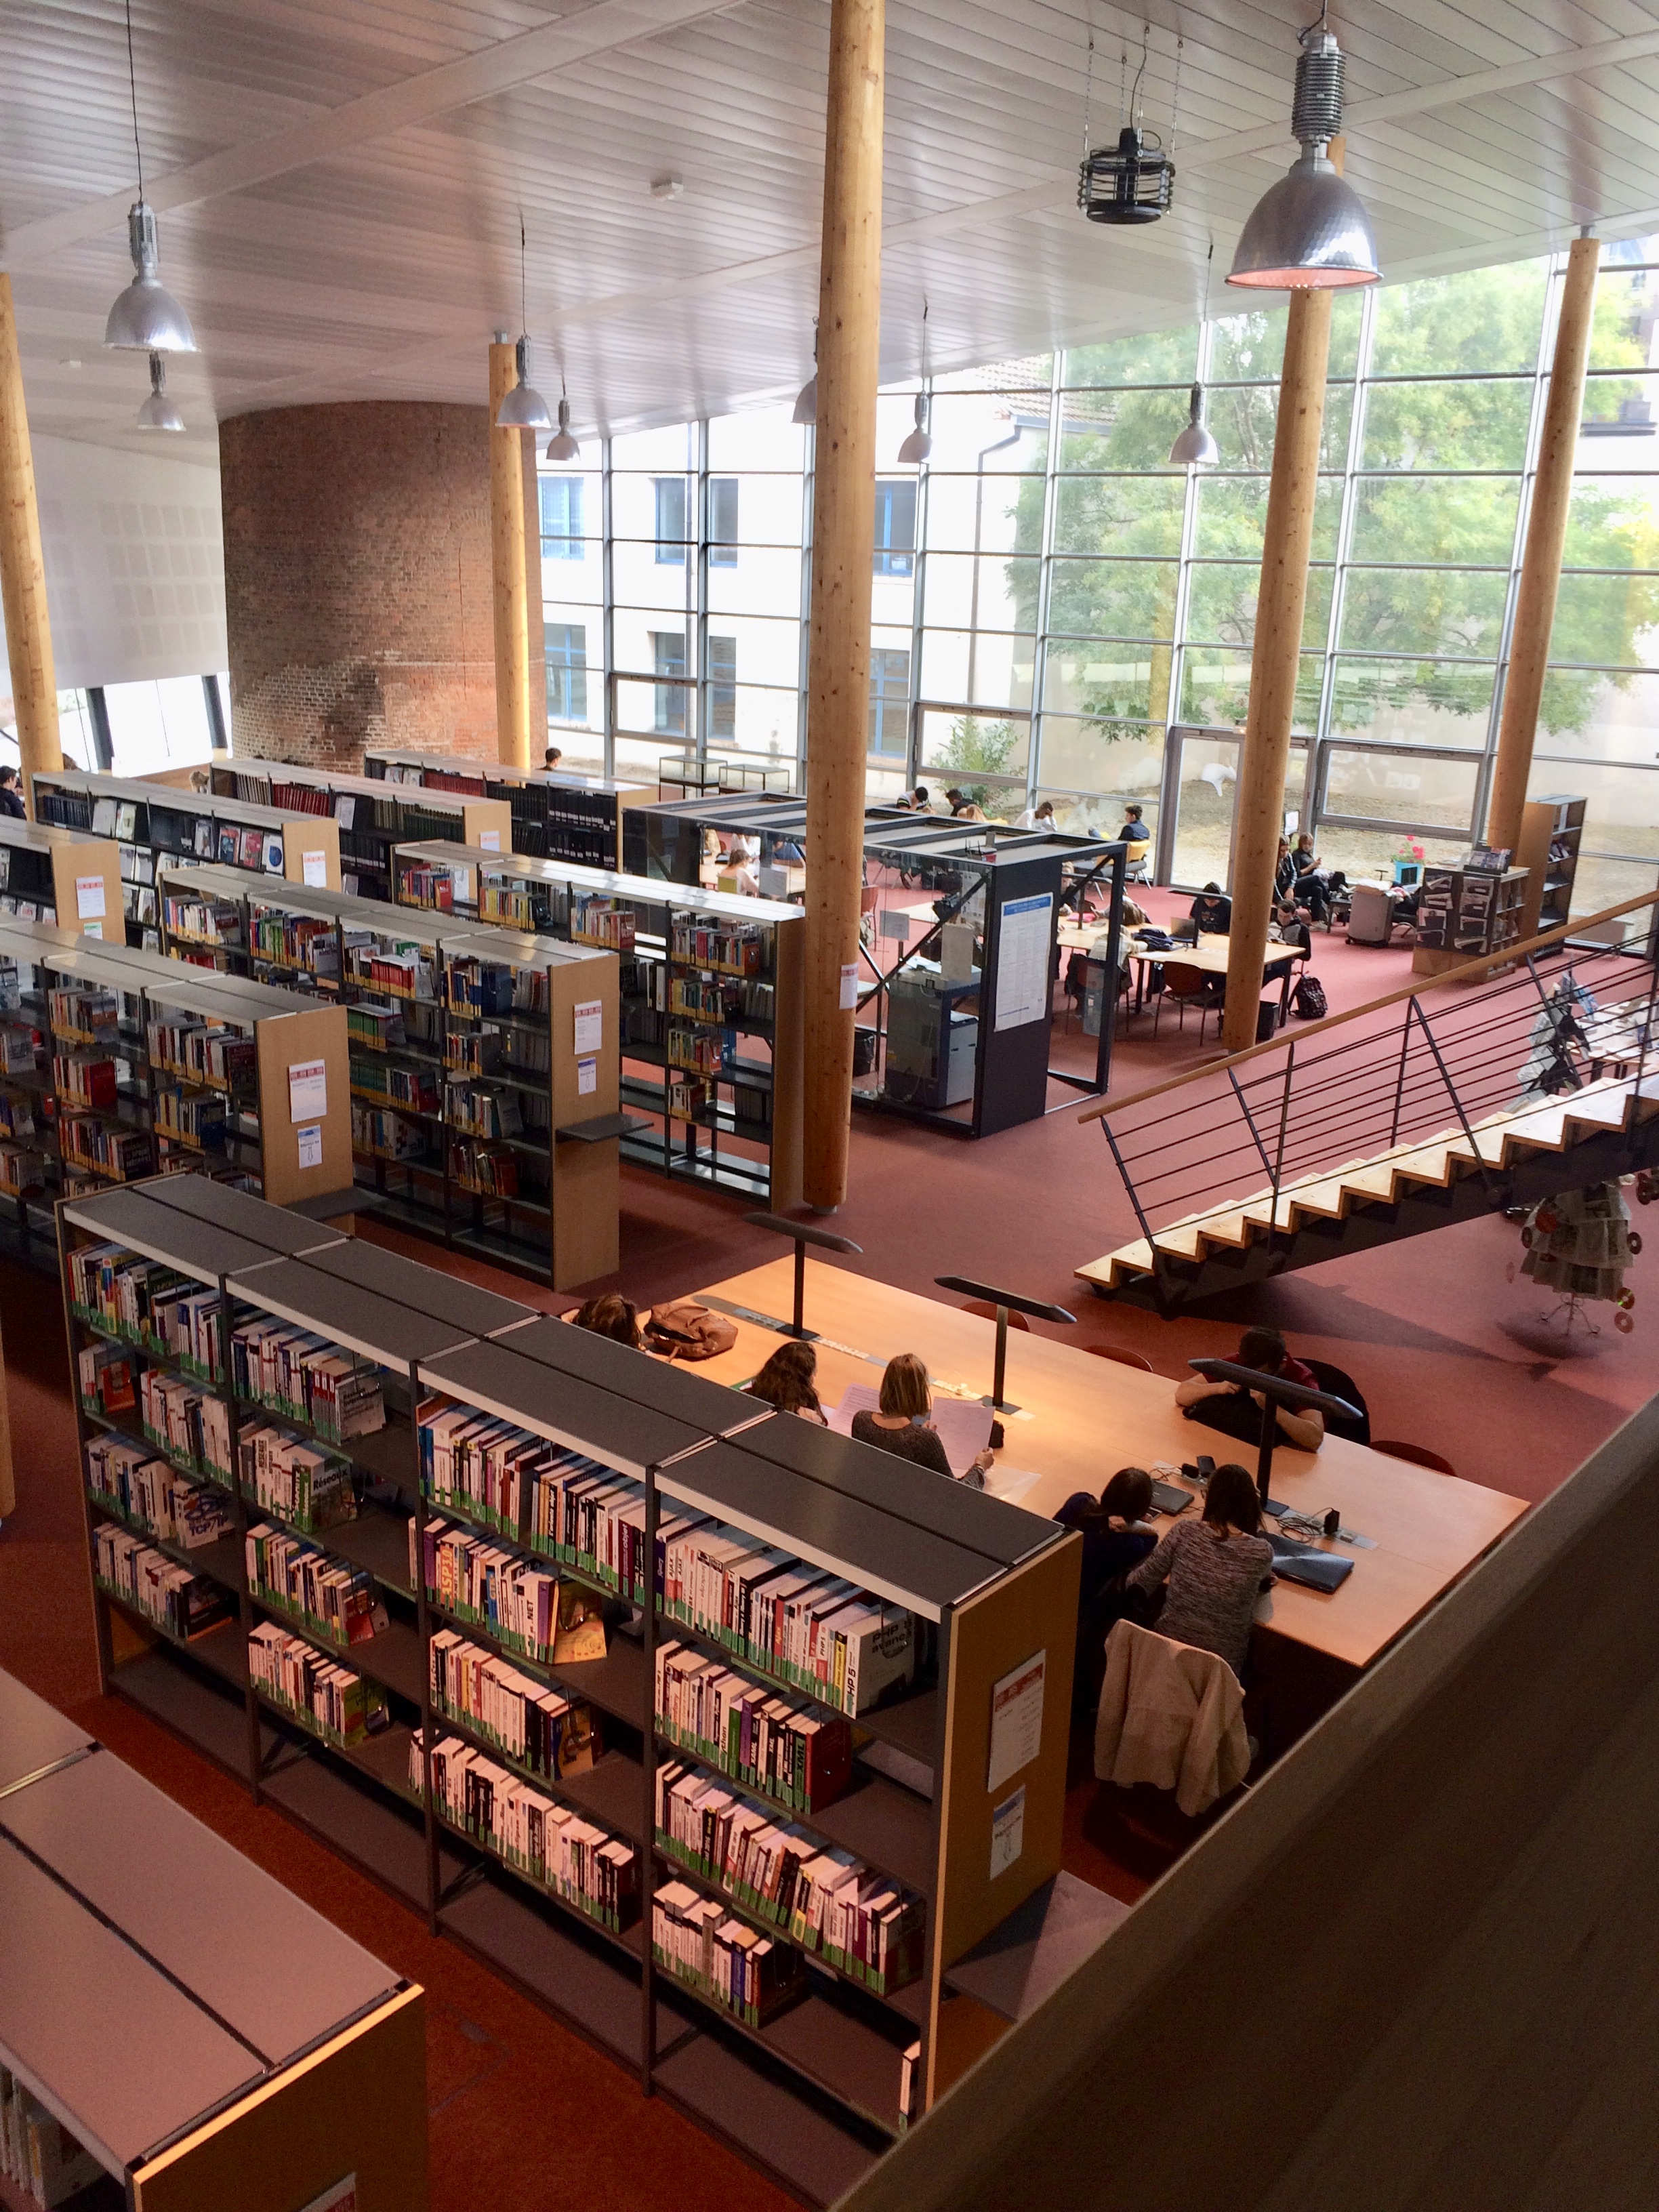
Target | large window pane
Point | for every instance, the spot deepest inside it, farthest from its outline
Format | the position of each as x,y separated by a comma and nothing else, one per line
991,593
1464,521
1446,425
1613,523
767,651
565,645
1109,680
752,718
1221,605
1481,320
1424,610
1121,429
957,749
1082,753
1215,688
758,580
984,512
1596,717
1232,516
1119,514
1113,598
659,452
764,438
978,671
1612,620
1621,334
1623,412
1411,703
890,701
1249,348
575,571
1621,815
998,432
1375,787
1165,357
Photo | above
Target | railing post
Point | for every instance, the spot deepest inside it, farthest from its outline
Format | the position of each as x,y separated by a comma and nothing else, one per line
1140,1213
1399,1079
1278,1150
1451,1092
1249,1119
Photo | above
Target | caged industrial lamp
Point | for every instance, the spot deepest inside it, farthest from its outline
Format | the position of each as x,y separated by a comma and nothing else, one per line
1130,182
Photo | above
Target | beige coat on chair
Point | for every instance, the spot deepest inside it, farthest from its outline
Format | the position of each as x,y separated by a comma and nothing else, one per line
1172,1715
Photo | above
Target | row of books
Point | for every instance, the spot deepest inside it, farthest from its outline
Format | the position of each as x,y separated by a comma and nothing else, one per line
207,921
331,1698
695,1939
337,1599
825,1901
292,1371
483,987
192,1425
123,1155
37,2154
646,981
202,1052
482,1111
380,1028
105,1376
734,948
473,1052
145,1301
476,1168
509,905
701,1051
296,940
199,1118
432,889
290,1477
384,1134
841,1645
497,1590
180,1602
22,1169
781,1745
398,1083
85,1016
704,998
150,1490
602,921
534,1724
403,972
575,1859
87,1079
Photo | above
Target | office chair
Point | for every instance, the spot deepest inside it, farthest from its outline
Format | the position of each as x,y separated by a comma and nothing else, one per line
982,1309
1417,1457
1170,1715
1123,1358
1341,1385
1186,987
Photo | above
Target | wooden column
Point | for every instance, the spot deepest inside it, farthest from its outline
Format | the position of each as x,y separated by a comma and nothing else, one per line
23,568
843,548
1547,535
508,559
535,623
1266,753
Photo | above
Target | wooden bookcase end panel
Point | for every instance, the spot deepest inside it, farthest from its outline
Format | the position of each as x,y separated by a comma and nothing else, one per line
284,1040
491,815
357,2105
79,905
787,1079
1532,854
586,1178
1032,1609
303,838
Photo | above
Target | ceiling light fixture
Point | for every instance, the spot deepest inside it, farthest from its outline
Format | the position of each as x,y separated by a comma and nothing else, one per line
1133,181
563,444
917,446
146,317
1310,230
1195,447
523,408
806,400
158,411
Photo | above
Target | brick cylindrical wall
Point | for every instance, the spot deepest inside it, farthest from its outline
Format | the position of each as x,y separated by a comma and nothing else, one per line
357,580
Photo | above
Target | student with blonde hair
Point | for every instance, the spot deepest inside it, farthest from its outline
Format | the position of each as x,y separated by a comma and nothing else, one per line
901,1423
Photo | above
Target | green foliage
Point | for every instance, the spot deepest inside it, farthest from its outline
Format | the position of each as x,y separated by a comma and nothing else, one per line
991,747
1428,513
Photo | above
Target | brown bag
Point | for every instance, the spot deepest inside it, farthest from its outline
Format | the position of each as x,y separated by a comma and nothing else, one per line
685,1330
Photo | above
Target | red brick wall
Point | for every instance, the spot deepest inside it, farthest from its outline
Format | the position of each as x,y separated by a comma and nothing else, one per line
357,580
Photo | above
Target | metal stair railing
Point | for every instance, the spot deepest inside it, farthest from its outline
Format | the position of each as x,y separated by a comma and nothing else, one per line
1393,1074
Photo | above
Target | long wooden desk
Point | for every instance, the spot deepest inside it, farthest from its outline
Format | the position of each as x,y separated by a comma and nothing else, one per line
1082,1418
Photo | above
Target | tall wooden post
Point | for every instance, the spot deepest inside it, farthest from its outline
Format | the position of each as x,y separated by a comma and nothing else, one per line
1547,537
843,551
535,621
508,559
1265,754
23,568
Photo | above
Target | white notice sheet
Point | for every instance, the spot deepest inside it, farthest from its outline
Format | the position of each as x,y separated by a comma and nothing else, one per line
1024,943
1016,1719
307,1089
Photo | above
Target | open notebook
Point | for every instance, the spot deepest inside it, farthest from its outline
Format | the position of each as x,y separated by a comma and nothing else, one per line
963,1424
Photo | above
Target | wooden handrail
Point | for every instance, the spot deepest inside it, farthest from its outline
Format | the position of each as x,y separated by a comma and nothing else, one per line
1483,965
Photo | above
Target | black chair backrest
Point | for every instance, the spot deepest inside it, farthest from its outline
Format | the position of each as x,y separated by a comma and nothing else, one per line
1339,1384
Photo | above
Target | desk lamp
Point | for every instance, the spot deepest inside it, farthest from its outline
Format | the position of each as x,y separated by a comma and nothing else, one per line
1005,1301
1275,1392
801,1233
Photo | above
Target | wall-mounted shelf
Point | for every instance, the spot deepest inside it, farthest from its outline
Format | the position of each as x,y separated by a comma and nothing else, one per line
711,1003
940,1592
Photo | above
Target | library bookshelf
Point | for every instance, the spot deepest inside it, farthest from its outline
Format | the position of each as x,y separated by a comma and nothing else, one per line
556,816
518,1453
153,822
711,985
60,875
245,2052
482,1111
118,1063
369,817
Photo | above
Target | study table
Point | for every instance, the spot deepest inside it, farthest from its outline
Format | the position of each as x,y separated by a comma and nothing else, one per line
1208,956
1081,1418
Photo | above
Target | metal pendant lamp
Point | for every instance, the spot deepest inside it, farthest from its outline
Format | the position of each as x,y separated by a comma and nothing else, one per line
523,408
1132,182
563,444
146,317
158,411
920,443
1195,447
806,400
1310,230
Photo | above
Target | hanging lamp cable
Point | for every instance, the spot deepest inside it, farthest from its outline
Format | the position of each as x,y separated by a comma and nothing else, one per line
132,88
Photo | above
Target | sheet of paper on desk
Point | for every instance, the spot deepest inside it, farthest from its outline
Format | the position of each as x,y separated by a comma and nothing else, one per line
964,1427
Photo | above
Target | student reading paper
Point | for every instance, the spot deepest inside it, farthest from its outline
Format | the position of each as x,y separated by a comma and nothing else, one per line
899,1425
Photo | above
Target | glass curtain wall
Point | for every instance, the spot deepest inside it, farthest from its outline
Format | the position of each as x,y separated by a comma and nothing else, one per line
1057,612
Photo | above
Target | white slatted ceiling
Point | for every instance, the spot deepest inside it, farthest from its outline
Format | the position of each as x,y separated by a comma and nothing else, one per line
380,269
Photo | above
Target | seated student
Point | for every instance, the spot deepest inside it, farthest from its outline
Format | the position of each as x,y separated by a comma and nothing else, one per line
1215,1567
901,1425
1212,911
1236,1412
1116,1538
1041,817
613,1316
1134,831
922,799
1285,877
552,756
11,794
788,1381
1313,886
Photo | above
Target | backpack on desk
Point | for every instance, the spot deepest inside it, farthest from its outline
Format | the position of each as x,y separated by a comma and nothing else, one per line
685,1330
1308,1001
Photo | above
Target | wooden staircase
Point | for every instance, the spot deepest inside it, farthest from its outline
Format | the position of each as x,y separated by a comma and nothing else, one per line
1517,1157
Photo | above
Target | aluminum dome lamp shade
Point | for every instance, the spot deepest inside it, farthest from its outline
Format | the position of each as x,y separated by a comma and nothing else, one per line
158,411
146,317
523,408
1310,230
917,446
807,402
563,444
1195,447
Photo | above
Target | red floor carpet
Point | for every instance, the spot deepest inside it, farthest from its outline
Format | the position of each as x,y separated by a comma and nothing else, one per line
1448,1352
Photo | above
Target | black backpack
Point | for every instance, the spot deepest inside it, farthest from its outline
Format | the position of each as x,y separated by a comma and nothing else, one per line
1307,999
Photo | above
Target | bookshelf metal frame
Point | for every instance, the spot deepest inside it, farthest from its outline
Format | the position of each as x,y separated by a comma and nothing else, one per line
813,2094
556,816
